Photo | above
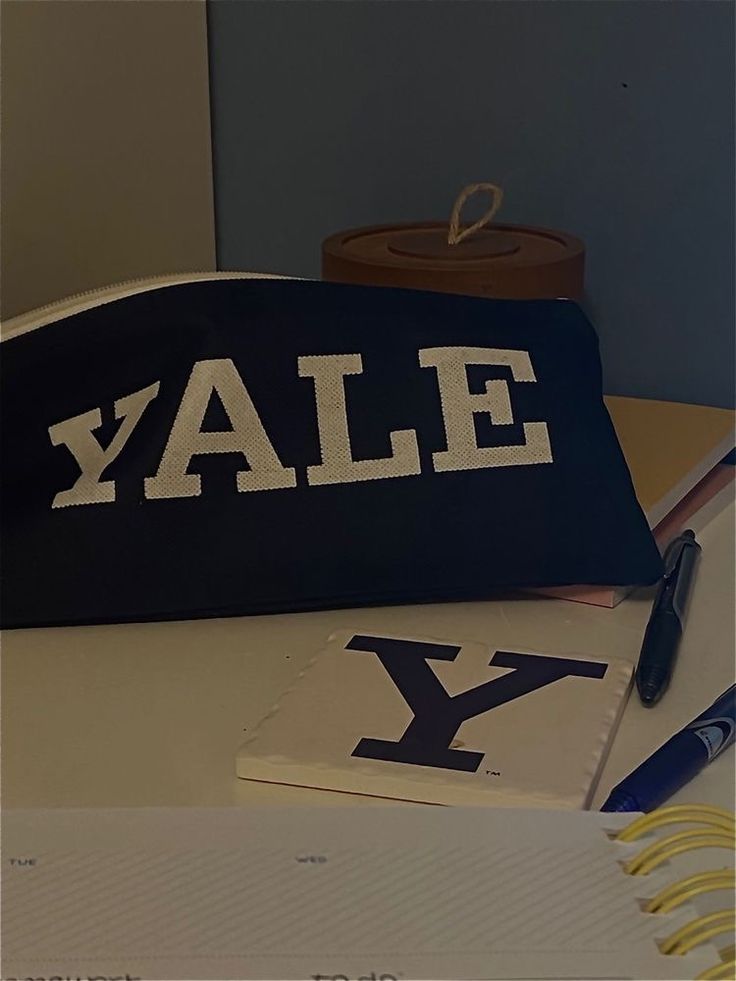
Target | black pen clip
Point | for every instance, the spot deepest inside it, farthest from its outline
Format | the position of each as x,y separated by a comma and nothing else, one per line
674,552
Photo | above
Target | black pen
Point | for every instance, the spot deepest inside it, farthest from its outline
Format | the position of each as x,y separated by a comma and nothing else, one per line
664,630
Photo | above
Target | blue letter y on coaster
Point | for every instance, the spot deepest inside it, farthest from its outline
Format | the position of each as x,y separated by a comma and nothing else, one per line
442,722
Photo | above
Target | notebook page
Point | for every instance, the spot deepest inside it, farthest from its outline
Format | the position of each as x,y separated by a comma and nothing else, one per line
379,893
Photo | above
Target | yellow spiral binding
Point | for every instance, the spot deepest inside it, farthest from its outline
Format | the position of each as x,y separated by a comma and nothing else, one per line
698,931
679,892
726,970
666,848
717,830
678,814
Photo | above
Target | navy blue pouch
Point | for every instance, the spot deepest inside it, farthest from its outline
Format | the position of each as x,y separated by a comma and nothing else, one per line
233,446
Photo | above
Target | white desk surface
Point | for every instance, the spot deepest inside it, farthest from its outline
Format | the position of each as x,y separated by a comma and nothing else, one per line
151,714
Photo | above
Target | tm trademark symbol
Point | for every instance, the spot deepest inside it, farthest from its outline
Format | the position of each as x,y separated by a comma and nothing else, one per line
493,773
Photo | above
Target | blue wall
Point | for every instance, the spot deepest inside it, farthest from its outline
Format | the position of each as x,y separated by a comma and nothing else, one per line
612,120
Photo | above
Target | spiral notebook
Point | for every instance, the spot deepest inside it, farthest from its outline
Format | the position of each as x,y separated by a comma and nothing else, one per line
443,722
369,894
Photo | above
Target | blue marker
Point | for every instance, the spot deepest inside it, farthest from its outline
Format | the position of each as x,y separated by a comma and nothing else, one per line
678,760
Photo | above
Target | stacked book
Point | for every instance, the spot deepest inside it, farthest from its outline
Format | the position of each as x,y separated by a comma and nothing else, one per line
675,454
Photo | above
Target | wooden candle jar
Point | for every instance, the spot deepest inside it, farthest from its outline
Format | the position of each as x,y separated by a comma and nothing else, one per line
505,261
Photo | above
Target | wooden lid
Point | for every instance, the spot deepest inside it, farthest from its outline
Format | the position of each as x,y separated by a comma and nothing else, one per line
425,245
515,261
501,260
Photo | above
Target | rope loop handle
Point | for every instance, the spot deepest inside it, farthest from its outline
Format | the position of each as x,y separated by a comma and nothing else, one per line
454,234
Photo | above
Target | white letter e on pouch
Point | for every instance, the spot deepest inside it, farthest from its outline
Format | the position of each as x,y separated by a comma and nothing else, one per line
459,405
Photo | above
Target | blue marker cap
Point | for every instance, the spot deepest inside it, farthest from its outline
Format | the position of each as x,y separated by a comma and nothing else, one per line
678,760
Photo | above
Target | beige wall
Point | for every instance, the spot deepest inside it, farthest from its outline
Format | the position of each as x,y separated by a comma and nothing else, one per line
106,161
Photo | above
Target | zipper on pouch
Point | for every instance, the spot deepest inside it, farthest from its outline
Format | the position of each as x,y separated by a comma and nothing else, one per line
49,313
